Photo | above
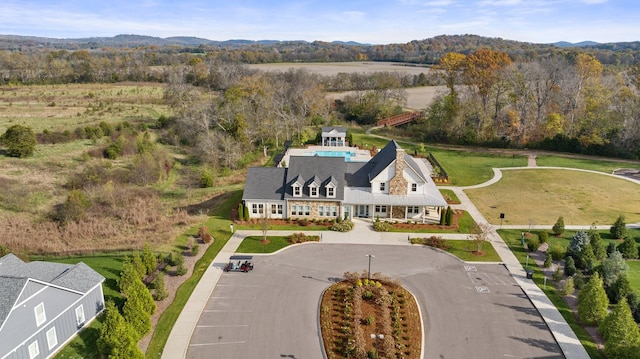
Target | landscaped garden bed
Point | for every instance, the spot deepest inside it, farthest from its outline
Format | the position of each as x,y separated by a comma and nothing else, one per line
362,318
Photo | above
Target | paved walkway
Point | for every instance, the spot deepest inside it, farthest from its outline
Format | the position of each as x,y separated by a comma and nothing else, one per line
178,341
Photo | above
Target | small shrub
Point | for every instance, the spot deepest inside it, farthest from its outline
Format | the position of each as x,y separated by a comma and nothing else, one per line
557,275
181,270
532,244
433,241
579,280
195,249
303,222
367,295
543,236
372,354
548,262
368,320
159,292
379,226
556,252
345,226
568,287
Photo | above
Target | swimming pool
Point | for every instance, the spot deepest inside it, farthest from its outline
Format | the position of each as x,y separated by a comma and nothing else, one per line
346,154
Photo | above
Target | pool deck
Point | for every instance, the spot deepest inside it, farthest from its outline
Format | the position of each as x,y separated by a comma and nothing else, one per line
360,155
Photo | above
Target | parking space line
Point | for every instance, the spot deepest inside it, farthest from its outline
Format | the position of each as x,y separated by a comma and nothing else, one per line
224,343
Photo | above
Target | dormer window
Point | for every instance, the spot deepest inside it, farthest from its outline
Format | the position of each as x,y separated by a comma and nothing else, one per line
297,191
331,192
313,190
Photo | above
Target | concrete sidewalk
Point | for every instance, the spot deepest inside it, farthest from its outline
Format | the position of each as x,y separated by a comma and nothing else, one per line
363,233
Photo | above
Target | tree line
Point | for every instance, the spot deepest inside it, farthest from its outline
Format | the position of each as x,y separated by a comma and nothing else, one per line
556,104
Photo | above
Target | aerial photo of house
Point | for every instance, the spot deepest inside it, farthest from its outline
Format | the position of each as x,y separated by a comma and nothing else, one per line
334,180
43,305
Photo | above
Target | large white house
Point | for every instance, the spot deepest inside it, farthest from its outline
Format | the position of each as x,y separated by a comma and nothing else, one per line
391,185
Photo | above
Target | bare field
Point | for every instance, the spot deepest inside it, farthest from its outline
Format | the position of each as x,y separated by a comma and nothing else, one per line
418,98
64,107
539,196
334,68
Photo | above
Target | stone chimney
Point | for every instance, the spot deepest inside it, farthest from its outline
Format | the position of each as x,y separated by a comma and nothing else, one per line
398,184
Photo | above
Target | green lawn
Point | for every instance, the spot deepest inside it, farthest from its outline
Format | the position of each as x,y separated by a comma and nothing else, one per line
634,275
587,164
450,196
464,249
540,196
218,226
466,224
252,244
513,240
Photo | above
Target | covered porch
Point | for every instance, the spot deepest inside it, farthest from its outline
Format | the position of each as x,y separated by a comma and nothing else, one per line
403,208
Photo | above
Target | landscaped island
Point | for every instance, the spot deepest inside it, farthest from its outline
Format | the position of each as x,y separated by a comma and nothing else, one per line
370,318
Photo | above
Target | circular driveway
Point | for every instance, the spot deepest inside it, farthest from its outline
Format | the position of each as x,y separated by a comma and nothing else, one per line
468,310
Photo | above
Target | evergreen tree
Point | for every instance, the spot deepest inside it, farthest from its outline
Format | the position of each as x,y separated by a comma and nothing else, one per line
116,339
159,291
587,258
593,301
138,308
139,265
569,267
619,290
596,244
634,303
149,259
128,275
613,267
611,247
246,213
240,211
621,333
448,219
619,228
19,140
558,227
628,248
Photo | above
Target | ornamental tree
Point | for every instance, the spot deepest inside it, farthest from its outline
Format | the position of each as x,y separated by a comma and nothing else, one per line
621,333
619,228
593,301
558,227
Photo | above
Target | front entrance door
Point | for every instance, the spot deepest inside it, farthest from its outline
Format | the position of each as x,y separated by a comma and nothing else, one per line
363,211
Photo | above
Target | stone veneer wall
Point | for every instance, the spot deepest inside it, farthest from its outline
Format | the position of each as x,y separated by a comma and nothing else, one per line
313,211
398,212
398,184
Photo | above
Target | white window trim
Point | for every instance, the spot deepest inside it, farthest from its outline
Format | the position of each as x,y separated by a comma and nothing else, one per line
414,187
40,319
80,311
52,338
313,188
383,186
297,190
34,350
332,188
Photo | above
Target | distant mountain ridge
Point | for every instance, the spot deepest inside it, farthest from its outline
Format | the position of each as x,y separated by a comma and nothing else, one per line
131,40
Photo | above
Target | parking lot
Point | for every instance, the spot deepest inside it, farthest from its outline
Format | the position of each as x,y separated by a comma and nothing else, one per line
272,312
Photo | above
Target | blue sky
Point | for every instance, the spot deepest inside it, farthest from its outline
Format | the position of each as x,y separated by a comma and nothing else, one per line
372,21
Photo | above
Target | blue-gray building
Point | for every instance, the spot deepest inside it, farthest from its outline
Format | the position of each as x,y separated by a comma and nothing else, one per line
43,305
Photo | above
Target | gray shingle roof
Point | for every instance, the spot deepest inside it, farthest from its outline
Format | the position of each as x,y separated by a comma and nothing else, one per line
339,129
324,168
265,183
14,274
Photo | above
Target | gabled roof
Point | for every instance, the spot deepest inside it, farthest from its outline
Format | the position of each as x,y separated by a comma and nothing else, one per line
14,275
324,168
315,180
383,159
334,129
265,183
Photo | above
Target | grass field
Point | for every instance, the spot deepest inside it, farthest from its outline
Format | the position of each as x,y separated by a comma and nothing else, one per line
464,250
587,164
64,107
541,196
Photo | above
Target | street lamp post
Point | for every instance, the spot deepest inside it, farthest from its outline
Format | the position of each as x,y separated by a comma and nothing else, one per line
376,337
369,271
